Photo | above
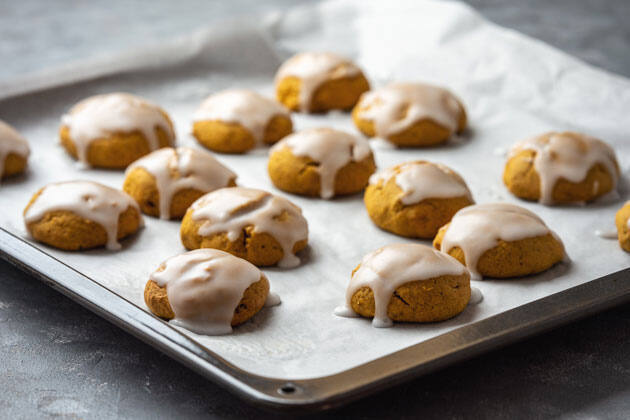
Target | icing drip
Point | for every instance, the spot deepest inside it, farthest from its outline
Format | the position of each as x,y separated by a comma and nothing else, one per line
607,234
249,109
420,180
392,266
569,156
204,287
102,115
398,106
313,69
331,149
230,210
11,142
181,168
476,229
475,296
89,200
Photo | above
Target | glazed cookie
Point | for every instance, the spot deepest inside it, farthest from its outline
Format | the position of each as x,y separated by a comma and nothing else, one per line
623,226
260,227
206,291
14,151
410,114
500,240
561,168
319,82
415,199
321,162
79,215
166,182
113,130
409,283
235,121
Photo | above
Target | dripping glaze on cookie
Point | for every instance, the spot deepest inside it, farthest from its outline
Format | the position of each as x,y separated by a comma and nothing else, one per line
11,142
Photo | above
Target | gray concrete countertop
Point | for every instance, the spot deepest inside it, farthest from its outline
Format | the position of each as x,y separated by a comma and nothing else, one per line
58,360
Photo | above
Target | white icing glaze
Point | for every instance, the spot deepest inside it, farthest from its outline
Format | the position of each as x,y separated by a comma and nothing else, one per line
607,234
11,142
230,210
86,199
420,180
390,267
245,107
331,149
102,115
568,156
204,287
181,168
313,69
476,297
398,106
476,229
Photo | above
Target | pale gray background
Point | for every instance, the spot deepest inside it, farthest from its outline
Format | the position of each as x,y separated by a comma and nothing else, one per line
59,360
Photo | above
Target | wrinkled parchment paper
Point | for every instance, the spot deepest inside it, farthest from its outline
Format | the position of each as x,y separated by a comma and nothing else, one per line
513,87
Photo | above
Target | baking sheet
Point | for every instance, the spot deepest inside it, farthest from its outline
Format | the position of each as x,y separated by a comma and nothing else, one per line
512,86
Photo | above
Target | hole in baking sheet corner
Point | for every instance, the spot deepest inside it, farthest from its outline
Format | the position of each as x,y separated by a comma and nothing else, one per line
288,389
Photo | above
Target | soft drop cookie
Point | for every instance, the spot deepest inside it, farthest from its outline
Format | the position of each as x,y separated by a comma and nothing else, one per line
321,162
235,121
561,168
79,215
206,291
623,229
113,130
415,199
319,82
14,151
410,114
407,283
260,227
166,182
500,240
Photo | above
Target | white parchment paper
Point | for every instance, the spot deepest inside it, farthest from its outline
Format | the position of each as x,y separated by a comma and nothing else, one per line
513,87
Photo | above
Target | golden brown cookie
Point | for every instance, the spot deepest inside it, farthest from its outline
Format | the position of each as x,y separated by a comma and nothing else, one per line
410,114
113,130
80,215
561,168
235,121
252,224
623,231
319,82
14,151
414,199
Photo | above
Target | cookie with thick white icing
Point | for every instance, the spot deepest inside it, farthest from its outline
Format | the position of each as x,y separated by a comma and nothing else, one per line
14,151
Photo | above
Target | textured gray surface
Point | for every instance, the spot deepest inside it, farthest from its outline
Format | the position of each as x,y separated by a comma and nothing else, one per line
60,360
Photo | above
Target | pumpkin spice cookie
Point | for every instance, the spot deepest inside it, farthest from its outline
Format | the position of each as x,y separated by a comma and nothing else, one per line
206,291
561,168
500,240
14,151
321,162
319,82
80,215
166,182
408,283
414,199
410,114
623,226
260,227
235,121
113,130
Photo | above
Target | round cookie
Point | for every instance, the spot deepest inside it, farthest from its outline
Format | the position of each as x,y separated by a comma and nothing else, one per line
166,182
319,82
408,283
260,227
623,227
235,121
14,151
80,215
561,168
113,130
500,240
206,291
321,162
410,114
414,199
